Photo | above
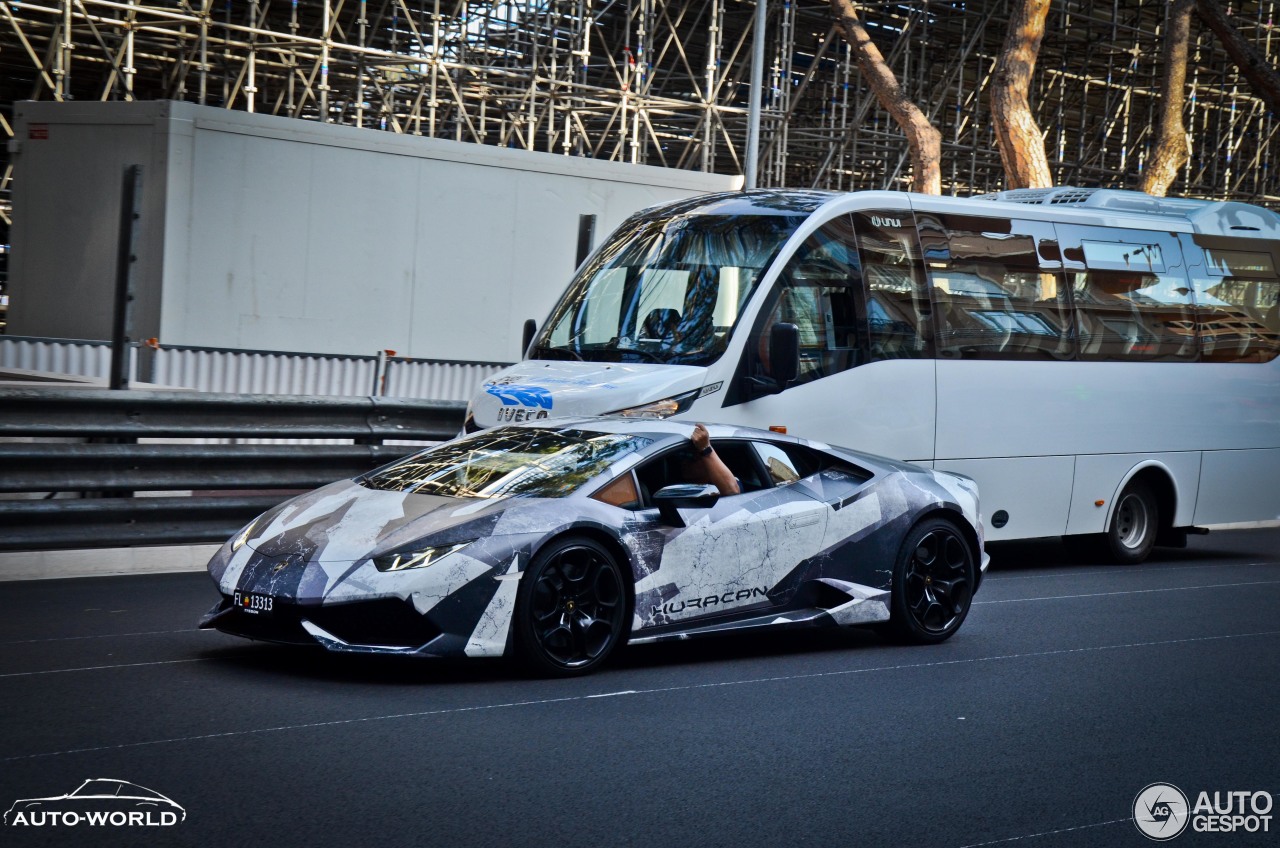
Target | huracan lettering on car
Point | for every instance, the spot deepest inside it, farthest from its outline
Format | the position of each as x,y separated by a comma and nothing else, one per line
530,396
677,607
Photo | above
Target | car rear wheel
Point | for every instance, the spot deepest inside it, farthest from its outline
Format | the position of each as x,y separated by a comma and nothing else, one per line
933,582
572,608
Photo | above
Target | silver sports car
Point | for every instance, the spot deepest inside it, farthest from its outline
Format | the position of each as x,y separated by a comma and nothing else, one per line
557,541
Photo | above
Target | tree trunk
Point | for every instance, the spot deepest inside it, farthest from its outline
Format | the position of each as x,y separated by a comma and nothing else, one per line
1171,150
1261,76
1020,140
923,138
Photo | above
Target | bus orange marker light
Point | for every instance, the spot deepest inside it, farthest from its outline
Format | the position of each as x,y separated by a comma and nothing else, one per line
778,428
1098,503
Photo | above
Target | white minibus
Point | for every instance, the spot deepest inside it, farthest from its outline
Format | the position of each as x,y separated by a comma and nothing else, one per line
1102,362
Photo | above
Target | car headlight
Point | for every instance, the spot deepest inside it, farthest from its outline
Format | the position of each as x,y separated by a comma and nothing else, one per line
243,539
420,558
664,408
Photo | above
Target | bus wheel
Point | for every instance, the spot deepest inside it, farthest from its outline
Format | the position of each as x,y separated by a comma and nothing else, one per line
1134,525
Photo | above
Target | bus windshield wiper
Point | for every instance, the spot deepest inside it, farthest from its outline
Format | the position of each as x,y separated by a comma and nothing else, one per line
652,356
564,349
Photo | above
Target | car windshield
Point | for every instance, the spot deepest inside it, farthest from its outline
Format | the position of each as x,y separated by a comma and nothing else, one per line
665,289
507,462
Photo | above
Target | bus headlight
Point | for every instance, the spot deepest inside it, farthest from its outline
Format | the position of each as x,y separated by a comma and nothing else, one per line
664,408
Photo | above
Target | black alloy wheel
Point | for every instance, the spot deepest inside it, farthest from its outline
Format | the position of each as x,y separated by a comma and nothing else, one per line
572,608
932,582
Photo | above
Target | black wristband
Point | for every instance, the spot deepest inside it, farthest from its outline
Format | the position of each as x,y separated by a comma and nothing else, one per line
706,451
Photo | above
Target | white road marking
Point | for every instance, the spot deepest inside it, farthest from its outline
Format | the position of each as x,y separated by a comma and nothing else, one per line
1142,568
1129,592
657,691
1045,833
104,636
104,667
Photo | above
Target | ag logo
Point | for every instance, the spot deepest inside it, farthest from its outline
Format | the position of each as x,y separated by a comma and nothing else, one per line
535,396
1161,811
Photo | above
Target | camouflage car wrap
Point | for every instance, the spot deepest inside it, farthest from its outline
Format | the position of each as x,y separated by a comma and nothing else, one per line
818,550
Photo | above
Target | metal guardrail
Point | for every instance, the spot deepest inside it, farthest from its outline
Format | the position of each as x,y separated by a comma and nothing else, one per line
84,442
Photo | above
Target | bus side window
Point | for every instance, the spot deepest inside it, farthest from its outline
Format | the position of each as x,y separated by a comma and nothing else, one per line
1237,296
815,292
897,305
994,296
1132,299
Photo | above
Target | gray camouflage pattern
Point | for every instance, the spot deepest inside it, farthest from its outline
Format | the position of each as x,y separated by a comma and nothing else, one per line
816,551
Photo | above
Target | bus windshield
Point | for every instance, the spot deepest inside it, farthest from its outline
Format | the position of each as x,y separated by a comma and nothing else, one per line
664,289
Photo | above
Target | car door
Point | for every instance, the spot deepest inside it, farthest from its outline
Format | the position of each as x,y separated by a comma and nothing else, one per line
729,557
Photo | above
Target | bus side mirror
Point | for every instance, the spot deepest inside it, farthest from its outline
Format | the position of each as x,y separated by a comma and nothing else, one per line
784,353
530,328
671,499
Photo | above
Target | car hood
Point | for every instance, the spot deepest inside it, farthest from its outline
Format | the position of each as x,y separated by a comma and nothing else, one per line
345,522
536,389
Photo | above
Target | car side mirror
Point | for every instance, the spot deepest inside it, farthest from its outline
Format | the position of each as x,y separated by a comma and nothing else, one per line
671,499
530,329
784,353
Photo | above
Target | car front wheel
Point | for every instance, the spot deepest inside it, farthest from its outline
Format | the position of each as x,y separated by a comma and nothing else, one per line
933,582
572,608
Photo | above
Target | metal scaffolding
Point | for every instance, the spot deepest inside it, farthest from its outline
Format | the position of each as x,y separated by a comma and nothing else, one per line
665,82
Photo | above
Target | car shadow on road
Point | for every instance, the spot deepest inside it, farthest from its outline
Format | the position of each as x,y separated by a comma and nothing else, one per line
263,661
752,646
1054,552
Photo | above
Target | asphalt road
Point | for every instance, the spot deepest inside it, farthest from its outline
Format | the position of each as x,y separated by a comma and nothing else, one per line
1069,689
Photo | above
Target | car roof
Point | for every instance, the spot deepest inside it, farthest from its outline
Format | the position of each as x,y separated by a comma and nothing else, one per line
662,428
664,431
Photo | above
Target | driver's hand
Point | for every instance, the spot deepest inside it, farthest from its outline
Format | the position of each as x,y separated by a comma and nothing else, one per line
700,438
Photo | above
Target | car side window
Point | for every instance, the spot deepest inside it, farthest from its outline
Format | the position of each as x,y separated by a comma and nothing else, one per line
671,467
622,492
780,466
786,464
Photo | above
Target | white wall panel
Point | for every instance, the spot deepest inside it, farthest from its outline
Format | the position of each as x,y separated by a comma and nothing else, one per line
270,233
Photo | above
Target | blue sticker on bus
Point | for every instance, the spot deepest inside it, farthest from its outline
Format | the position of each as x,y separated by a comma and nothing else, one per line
521,395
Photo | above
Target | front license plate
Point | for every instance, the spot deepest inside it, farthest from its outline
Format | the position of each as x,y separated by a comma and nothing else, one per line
254,603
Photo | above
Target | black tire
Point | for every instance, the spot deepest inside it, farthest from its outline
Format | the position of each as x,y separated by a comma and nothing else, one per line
1134,525
571,609
933,583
